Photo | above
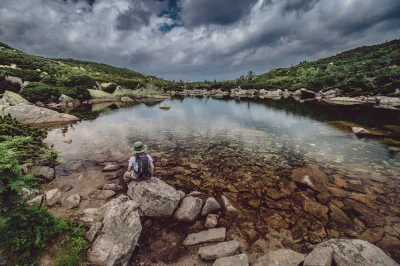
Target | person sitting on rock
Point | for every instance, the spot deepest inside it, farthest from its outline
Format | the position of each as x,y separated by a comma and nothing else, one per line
140,166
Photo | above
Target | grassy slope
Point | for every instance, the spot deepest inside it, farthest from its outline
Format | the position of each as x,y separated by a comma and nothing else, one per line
70,72
364,70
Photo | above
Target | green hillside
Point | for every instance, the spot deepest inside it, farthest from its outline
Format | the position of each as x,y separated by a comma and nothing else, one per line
364,70
68,76
368,70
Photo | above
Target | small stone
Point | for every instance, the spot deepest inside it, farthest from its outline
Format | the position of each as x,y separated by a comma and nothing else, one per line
65,188
37,200
211,221
101,194
113,187
44,172
189,209
93,231
228,204
238,260
220,250
281,257
211,205
111,168
211,235
52,197
71,201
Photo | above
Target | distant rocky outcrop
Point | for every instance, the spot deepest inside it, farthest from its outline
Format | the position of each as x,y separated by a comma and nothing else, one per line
98,96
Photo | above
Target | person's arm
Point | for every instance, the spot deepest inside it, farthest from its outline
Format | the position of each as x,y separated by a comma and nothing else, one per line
151,167
129,168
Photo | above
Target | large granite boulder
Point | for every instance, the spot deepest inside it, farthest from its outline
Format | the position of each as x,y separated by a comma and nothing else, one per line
280,257
30,114
155,197
12,99
345,252
119,235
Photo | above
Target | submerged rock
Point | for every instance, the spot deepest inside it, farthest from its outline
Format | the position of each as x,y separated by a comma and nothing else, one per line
155,197
220,250
120,234
211,235
280,257
311,176
238,260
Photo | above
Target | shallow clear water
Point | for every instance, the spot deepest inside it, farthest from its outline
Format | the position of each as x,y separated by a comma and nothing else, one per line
249,150
285,128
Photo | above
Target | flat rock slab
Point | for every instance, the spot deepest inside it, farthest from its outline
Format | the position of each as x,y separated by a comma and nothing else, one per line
280,257
220,250
30,114
238,260
189,209
101,194
346,252
211,235
211,205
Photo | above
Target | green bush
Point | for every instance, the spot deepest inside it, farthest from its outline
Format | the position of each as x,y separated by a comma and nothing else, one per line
6,85
35,92
73,247
26,232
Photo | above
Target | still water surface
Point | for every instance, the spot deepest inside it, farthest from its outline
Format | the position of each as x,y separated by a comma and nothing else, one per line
248,151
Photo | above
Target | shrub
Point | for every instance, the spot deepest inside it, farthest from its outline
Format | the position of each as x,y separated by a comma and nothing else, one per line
73,247
27,231
6,85
44,93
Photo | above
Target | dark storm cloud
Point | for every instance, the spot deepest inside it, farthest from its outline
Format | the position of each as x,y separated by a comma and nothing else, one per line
196,39
299,6
133,19
221,12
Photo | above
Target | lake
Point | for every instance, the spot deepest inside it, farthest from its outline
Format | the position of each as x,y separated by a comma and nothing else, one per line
272,158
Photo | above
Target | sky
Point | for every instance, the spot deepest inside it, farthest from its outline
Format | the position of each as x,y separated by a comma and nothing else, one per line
196,40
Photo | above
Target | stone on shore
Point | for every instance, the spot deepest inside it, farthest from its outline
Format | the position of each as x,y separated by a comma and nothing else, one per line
220,250
44,172
348,252
155,197
72,201
113,187
359,130
111,168
120,234
12,99
211,235
102,96
211,205
30,114
126,99
238,260
52,197
65,99
280,257
189,209
93,231
211,221
101,194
